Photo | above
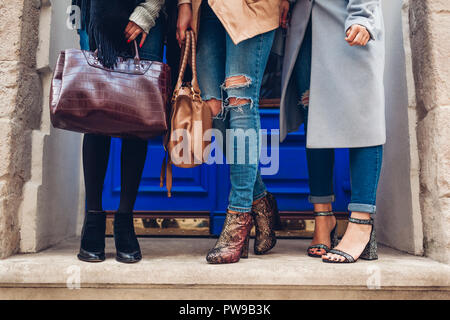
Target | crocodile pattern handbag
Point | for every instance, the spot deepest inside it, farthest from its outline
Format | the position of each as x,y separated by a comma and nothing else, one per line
130,100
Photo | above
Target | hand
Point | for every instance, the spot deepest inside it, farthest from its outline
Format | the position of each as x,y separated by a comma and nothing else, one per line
284,11
357,35
184,22
132,31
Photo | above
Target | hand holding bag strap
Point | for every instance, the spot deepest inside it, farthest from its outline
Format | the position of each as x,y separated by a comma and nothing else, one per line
184,61
194,81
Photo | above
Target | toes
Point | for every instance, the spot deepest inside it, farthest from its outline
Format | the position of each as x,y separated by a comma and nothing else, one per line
331,257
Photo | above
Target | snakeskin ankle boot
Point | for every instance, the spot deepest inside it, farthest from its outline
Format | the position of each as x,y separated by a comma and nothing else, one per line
265,214
233,241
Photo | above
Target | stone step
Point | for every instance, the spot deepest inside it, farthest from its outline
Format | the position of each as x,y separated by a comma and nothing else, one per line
175,268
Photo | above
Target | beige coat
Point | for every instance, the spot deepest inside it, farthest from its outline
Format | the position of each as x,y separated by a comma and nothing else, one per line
242,19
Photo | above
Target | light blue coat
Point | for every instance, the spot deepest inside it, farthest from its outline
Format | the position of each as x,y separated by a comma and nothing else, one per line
347,102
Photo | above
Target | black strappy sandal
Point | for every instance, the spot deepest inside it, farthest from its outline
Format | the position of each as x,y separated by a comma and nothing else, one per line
370,251
333,237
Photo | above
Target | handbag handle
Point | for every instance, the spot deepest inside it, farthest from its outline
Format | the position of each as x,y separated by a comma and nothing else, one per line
189,48
137,58
194,81
184,60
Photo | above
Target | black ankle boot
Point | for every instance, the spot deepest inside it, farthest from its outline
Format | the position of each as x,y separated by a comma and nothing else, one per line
127,245
92,248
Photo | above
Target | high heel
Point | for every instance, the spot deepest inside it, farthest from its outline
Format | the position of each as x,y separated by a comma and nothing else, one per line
369,252
233,241
244,252
274,205
127,245
333,237
92,246
266,217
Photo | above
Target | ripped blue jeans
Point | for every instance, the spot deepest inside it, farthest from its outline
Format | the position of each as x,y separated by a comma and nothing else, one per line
218,59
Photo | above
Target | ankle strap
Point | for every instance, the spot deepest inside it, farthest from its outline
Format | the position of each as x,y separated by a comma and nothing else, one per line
360,221
324,213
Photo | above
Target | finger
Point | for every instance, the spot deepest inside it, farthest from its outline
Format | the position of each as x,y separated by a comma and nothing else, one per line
144,36
285,13
358,40
364,41
134,35
182,36
129,26
178,38
131,31
352,34
367,39
284,17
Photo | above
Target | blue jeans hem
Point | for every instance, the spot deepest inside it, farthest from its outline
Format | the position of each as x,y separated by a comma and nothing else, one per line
361,207
321,199
239,209
260,196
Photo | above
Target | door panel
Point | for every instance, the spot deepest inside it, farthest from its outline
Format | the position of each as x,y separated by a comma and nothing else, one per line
193,189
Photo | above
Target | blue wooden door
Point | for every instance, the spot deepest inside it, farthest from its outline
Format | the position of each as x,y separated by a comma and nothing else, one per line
193,189
204,190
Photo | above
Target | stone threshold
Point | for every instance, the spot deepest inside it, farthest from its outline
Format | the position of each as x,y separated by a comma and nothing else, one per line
175,268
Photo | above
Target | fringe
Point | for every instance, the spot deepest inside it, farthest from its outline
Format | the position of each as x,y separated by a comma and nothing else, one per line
105,22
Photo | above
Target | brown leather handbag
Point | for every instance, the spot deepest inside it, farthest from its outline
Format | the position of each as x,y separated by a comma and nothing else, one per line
130,100
189,137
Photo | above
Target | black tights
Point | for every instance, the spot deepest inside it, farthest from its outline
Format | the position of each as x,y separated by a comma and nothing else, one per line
95,162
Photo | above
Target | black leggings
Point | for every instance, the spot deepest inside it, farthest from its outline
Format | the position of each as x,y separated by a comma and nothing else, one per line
95,162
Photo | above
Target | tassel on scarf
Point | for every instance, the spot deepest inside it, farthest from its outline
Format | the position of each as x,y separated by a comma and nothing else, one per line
105,22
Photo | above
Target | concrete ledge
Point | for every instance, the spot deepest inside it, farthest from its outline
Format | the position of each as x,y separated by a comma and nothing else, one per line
176,269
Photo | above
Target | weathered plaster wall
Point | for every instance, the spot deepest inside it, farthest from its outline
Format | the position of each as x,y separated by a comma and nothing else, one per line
430,43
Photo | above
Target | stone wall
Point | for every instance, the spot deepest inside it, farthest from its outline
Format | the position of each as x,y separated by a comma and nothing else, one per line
430,43
52,201
40,166
398,219
21,101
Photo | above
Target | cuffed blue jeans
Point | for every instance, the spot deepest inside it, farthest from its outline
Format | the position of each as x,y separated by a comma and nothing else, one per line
218,59
365,163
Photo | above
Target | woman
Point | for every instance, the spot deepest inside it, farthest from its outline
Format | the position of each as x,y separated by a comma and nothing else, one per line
333,82
234,39
111,26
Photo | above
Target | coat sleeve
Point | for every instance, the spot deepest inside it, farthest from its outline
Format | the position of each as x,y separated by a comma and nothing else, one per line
146,13
363,12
